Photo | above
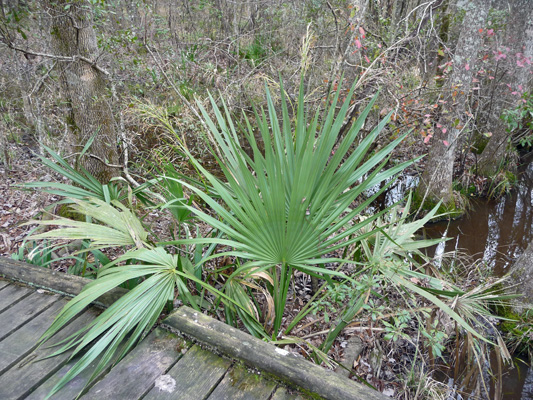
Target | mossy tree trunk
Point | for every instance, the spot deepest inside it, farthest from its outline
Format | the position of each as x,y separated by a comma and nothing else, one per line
437,179
84,87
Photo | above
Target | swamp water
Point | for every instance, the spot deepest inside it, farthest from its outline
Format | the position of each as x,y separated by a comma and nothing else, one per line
497,232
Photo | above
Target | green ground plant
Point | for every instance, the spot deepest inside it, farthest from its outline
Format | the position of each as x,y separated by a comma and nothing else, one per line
294,206
286,208
160,275
45,253
519,121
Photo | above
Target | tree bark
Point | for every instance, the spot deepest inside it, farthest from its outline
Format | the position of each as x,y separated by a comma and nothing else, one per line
84,87
351,54
520,32
437,179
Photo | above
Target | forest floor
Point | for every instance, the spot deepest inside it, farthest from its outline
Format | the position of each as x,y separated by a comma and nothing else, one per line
18,206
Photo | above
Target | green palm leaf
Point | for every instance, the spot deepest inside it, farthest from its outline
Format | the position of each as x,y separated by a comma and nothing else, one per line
123,227
289,204
85,185
126,321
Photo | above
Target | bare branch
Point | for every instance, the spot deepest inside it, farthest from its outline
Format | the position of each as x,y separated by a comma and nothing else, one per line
59,58
103,162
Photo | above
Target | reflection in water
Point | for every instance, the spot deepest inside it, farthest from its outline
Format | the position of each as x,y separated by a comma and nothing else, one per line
439,251
493,235
527,391
517,382
519,208
496,232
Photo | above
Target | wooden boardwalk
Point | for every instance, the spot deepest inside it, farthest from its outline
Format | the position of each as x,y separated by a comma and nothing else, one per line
169,363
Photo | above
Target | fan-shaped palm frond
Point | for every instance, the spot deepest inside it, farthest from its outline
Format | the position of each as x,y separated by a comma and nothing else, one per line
292,203
162,275
394,237
84,185
118,225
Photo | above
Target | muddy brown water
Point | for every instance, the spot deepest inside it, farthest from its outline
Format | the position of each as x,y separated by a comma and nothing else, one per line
496,232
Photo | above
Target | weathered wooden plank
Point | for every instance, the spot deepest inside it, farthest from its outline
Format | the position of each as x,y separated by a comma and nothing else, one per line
240,384
266,357
283,394
3,284
23,377
69,391
54,281
73,388
21,342
11,295
23,311
193,378
135,375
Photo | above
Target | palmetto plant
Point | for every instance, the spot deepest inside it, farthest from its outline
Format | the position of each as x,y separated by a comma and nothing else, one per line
291,204
84,184
161,276
284,208
394,235
288,206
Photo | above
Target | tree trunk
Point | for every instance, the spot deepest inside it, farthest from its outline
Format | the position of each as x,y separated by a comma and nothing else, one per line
84,86
520,31
522,279
351,53
444,35
437,179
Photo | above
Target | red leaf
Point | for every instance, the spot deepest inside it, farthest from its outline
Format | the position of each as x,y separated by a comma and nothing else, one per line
358,43
480,30
499,55
367,59
362,32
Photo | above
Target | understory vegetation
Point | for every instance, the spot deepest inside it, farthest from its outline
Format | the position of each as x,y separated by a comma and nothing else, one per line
293,210
258,154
